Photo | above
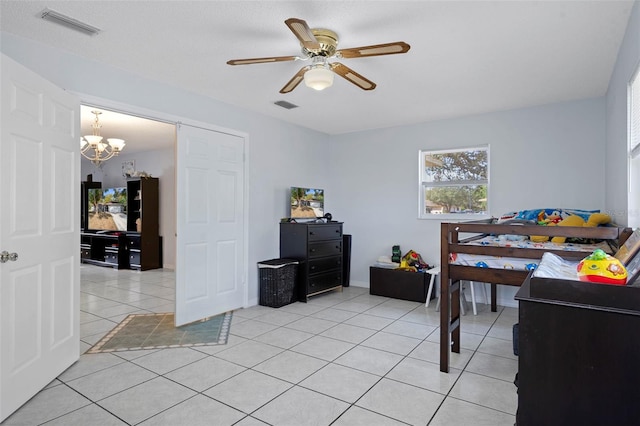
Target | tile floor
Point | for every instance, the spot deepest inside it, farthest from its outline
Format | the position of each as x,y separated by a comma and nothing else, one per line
342,359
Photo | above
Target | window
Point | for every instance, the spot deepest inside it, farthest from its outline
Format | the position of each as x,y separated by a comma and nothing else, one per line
454,183
634,150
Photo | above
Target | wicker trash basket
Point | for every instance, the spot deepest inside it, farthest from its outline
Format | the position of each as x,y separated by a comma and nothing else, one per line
278,282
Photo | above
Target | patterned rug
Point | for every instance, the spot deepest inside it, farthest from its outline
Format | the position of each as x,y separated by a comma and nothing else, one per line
157,331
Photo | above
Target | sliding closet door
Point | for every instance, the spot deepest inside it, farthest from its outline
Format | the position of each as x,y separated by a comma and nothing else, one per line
210,254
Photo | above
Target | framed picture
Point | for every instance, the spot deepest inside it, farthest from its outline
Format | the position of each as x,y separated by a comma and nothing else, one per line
128,167
629,248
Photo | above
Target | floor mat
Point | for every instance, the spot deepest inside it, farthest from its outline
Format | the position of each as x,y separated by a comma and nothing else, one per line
157,331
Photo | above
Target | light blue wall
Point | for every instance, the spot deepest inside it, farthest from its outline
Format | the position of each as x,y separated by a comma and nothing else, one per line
275,147
546,156
617,188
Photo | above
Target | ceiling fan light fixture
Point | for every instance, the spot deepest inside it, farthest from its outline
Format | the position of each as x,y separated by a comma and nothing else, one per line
319,77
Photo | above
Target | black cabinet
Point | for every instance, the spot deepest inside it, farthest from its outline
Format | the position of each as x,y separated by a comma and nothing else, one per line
143,205
578,353
403,285
318,247
104,249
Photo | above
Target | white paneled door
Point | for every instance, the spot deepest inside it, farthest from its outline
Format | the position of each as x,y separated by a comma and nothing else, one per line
210,252
39,234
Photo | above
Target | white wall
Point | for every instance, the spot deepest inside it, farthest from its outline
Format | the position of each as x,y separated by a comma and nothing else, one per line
548,156
274,147
617,183
158,163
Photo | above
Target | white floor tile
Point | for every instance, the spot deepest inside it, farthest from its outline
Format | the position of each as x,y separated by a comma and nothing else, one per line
158,395
486,391
248,391
344,383
205,373
88,364
290,366
349,333
110,381
312,325
456,412
493,366
88,415
284,337
395,343
48,404
340,348
410,329
323,348
196,411
249,353
426,375
300,406
401,401
356,416
369,321
369,360
161,362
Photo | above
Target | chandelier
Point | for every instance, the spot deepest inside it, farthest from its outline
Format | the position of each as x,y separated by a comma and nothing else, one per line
94,149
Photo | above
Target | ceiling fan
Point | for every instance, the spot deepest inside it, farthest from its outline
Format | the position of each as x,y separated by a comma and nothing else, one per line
319,45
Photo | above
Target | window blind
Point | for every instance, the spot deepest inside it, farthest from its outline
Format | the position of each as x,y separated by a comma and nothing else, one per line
634,115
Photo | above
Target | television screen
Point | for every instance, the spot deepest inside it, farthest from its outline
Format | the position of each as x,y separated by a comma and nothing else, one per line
307,203
107,209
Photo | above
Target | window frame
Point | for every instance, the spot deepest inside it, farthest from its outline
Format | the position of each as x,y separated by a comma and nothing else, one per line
423,185
633,148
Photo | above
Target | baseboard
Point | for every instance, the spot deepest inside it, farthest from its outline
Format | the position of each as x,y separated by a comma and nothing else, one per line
355,283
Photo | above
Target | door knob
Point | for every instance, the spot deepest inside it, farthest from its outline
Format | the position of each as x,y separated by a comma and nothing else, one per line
5,256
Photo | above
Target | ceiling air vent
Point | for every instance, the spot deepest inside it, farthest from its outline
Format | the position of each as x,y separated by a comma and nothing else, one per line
285,104
69,22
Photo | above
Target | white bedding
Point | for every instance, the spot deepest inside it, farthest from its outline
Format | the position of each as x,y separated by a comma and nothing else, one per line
499,262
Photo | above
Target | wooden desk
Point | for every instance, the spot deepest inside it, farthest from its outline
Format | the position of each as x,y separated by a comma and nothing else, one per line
579,353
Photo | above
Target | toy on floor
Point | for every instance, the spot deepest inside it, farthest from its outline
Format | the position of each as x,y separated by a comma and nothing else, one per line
413,261
599,267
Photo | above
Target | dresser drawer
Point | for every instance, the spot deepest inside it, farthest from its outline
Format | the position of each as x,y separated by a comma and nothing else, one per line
324,232
325,248
134,258
322,282
323,264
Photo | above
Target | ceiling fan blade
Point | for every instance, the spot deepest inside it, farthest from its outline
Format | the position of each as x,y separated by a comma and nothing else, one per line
295,80
261,60
352,76
374,50
303,33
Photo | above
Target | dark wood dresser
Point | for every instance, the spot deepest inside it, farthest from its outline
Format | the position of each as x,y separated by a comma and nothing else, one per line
579,353
318,247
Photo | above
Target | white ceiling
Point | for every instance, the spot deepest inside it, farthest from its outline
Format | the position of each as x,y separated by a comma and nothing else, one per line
466,57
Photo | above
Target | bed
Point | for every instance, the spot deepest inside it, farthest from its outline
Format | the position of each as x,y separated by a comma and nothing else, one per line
453,244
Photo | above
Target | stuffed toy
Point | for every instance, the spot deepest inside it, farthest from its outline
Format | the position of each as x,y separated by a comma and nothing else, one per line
413,260
545,218
595,219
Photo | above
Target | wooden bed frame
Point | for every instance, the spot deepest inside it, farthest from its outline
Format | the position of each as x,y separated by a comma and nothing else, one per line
451,275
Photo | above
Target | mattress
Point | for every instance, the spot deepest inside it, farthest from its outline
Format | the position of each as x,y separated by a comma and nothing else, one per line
500,262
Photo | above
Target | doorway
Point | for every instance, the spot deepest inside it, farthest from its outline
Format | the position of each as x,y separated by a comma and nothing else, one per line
149,148
218,158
